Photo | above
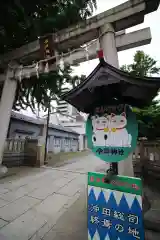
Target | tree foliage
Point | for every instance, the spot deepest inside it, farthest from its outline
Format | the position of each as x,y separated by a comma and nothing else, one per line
148,117
37,92
149,121
23,21
143,65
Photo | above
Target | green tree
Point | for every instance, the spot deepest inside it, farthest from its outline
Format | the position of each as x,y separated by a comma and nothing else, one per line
143,65
148,117
22,22
149,121
38,92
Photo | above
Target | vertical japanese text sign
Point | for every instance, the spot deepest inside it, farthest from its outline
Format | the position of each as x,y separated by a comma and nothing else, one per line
115,209
46,46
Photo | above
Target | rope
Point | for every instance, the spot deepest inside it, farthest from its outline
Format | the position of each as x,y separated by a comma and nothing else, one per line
84,47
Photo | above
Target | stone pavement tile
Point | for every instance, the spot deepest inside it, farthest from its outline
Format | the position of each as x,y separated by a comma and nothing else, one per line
24,180
24,226
72,224
18,193
47,226
52,220
152,220
103,167
70,189
74,186
38,183
150,235
2,223
84,165
3,202
3,190
70,175
71,201
48,188
52,204
33,182
15,209
42,192
81,180
60,182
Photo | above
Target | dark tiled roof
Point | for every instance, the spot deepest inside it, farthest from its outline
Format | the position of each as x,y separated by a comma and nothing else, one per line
19,116
107,85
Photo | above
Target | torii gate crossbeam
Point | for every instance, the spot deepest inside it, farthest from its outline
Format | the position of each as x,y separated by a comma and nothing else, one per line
126,15
123,42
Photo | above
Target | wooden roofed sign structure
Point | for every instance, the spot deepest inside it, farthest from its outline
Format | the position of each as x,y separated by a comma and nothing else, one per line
107,95
108,85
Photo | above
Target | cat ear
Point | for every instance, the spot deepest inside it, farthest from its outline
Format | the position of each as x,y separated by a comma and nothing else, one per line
123,114
113,115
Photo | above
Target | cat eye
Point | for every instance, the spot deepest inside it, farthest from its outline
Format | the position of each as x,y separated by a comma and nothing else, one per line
98,122
122,120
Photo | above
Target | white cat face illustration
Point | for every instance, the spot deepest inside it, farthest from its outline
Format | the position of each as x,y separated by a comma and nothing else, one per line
118,121
100,123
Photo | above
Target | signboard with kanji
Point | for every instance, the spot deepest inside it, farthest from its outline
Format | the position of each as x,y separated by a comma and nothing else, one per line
46,46
115,209
112,132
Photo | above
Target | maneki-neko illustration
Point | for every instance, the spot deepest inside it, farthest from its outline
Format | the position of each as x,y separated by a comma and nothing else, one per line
110,130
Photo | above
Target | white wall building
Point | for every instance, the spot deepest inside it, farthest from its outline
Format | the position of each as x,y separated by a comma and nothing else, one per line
71,119
78,125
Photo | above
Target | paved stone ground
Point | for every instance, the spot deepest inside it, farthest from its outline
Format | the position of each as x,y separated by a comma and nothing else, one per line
33,202
50,204
73,224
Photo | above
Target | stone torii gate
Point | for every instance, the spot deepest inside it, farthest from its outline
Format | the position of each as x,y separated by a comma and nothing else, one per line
108,27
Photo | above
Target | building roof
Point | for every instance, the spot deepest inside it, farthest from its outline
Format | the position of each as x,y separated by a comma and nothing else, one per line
151,5
19,116
107,85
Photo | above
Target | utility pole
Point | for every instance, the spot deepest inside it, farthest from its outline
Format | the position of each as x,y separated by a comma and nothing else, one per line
46,140
47,128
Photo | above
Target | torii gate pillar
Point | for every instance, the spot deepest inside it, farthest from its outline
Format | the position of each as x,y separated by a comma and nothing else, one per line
6,104
108,44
